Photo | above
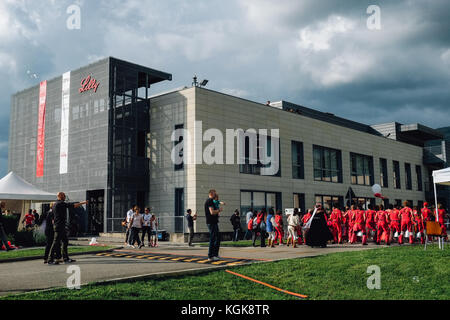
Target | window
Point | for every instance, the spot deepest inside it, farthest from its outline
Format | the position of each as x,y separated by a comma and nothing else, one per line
408,176
396,172
361,169
259,199
327,164
252,161
141,143
398,202
297,160
383,173
328,201
364,202
180,140
299,202
419,178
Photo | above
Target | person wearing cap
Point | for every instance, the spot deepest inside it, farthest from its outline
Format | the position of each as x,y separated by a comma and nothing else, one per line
427,215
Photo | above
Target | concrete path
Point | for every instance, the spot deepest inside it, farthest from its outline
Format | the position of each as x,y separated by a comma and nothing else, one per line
18,277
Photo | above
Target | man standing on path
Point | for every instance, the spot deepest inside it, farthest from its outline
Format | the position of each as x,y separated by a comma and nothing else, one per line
212,221
59,210
190,220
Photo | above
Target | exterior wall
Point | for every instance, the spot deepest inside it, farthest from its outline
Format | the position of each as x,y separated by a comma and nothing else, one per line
167,111
221,111
88,134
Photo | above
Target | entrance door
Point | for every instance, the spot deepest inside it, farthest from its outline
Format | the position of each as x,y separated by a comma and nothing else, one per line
95,209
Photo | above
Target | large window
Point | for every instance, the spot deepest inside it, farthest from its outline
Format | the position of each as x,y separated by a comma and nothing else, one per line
298,171
179,166
383,173
363,202
362,169
327,202
408,176
252,158
396,175
327,164
419,178
299,202
259,199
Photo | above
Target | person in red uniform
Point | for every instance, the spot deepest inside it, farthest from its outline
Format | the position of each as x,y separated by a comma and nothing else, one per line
28,219
351,222
441,219
407,219
394,217
427,215
418,219
345,217
382,219
304,221
359,217
279,233
336,224
371,226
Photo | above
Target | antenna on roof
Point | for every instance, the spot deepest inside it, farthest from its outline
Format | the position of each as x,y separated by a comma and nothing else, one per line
196,84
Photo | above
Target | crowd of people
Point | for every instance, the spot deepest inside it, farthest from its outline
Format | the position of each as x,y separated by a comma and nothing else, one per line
136,222
318,226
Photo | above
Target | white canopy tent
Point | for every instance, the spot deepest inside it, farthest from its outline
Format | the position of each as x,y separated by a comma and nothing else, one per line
440,177
19,193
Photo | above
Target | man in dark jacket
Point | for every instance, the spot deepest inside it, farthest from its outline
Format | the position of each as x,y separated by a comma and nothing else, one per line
59,210
236,223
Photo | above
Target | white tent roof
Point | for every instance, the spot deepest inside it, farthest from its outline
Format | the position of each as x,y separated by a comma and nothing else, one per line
13,187
442,176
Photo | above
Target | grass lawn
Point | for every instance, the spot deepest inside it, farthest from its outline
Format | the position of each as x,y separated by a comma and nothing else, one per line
39,252
406,273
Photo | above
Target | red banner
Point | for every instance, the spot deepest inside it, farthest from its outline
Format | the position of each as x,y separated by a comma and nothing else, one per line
41,130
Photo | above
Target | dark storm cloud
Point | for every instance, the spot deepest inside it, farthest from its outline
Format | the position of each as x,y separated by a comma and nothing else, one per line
316,53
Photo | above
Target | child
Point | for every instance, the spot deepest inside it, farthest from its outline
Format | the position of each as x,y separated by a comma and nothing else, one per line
154,231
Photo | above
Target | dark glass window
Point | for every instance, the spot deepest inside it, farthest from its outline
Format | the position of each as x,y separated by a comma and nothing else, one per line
419,178
384,173
249,166
180,140
327,164
361,169
327,201
396,176
298,171
408,176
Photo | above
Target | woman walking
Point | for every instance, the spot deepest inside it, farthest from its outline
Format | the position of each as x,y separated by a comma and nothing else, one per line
293,224
270,221
136,226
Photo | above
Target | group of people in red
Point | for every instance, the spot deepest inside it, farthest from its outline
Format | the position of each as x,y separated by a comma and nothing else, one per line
382,224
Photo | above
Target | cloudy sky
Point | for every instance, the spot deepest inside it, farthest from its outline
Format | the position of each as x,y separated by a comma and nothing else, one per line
317,53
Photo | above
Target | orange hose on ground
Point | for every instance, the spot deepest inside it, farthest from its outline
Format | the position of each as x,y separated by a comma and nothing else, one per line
267,285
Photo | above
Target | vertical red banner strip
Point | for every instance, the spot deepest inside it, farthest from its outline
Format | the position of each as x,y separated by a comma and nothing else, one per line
41,130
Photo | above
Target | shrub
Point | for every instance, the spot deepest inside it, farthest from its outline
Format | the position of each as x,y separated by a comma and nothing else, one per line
10,223
39,238
24,238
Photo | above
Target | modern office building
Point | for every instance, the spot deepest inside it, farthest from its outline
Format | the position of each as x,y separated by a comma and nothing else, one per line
114,144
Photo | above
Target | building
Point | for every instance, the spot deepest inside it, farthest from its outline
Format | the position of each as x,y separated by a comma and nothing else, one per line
121,143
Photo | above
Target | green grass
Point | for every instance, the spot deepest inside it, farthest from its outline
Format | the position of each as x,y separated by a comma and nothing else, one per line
39,252
406,273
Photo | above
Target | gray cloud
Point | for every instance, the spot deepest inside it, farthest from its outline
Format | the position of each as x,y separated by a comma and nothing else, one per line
316,53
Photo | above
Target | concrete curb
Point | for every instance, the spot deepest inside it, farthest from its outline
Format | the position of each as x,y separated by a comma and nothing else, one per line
42,257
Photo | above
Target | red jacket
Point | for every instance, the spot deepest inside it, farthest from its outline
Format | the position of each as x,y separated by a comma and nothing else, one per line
406,214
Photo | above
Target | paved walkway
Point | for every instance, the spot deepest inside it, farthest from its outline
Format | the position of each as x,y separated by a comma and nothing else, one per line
18,277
